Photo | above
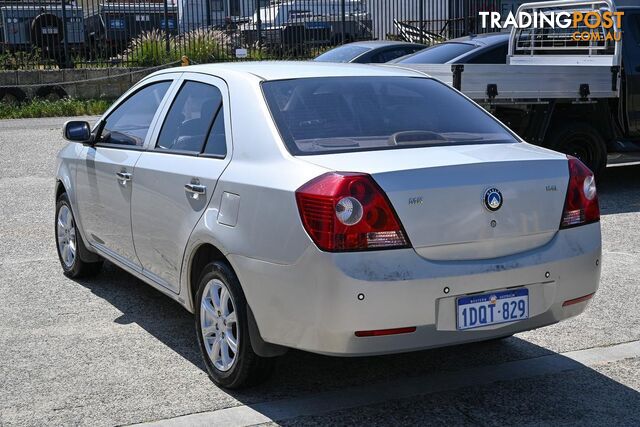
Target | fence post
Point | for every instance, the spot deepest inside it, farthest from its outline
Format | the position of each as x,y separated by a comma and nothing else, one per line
343,13
421,17
208,12
467,18
166,27
65,42
259,23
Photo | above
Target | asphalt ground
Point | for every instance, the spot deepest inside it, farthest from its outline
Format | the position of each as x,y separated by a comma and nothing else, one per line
113,351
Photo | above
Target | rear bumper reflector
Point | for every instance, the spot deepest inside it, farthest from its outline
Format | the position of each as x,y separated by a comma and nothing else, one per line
578,300
382,332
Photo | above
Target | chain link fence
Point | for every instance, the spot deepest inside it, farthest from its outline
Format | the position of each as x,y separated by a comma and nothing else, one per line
46,34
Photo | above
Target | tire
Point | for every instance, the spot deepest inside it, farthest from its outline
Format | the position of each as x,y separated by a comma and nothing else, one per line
42,35
583,141
243,367
51,93
69,242
12,95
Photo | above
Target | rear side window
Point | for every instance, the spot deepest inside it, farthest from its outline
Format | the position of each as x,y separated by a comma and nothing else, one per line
329,115
391,54
496,55
190,117
439,54
217,140
129,123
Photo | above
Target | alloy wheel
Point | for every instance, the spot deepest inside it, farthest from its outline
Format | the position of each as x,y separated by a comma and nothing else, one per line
219,325
66,233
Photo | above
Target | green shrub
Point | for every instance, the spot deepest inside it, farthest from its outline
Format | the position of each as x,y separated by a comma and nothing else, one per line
200,46
21,60
149,49
203,46
60,108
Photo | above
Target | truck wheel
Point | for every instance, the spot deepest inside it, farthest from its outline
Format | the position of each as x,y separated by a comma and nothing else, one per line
46,31
51,93
583,141
222,329
12,95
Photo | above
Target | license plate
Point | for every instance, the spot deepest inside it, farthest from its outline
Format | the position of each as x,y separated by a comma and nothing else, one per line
49,30
492,308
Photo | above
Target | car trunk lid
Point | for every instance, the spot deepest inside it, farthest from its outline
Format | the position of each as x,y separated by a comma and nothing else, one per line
439,195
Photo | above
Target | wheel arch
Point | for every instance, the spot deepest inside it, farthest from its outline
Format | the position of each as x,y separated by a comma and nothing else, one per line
60,188
205,253
200,256
598,116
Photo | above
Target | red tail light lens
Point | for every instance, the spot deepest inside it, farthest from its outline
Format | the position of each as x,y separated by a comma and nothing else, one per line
349,212
581,206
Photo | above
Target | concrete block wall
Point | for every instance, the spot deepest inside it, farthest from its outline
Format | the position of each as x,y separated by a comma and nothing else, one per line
31,81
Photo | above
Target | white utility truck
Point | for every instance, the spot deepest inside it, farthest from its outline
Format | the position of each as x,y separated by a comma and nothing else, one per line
580,97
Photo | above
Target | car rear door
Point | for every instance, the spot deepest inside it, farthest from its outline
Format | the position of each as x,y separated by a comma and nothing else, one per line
176,177
104,175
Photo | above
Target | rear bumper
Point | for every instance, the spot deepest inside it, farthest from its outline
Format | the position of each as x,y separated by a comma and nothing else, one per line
313,304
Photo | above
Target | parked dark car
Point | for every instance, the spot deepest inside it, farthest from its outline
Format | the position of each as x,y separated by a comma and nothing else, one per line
370,52
491,48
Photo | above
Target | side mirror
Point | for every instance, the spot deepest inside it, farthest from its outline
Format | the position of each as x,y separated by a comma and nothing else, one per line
77,131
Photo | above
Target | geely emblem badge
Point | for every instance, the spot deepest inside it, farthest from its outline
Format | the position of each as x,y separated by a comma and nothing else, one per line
493,199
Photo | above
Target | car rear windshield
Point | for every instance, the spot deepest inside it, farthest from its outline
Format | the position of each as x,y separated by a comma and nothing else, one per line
342,54
439,54
346,114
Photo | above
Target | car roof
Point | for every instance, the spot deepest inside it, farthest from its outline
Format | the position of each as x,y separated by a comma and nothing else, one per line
283,70
372,44
481,40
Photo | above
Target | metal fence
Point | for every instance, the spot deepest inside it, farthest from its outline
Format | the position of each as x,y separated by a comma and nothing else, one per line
98,33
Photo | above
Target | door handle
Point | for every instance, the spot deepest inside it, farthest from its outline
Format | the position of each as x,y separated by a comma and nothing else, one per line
195,190
123,177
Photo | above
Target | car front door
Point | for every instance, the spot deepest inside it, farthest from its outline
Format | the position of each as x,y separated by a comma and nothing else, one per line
104,176
176,177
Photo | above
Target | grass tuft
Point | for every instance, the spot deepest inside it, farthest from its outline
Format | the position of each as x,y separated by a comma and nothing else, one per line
60,108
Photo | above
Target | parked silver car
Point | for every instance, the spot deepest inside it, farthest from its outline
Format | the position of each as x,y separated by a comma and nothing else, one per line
335,208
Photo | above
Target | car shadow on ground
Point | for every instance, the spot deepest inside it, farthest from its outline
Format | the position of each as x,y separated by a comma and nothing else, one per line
577,392
619,190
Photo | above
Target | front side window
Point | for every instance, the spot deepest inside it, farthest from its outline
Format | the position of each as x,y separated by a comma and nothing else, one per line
129,123
346,114
190,117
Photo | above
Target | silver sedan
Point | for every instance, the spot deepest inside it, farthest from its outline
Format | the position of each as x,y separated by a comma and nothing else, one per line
346,210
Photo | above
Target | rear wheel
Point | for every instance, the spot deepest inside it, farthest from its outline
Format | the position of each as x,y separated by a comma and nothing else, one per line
583,141
69,242
222,330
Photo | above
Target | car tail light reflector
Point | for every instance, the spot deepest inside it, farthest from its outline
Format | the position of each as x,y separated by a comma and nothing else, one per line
349,212
383,332
581,205
577,300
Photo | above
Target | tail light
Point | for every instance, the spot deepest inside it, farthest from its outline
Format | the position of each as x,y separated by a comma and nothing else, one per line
581,206
349,212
